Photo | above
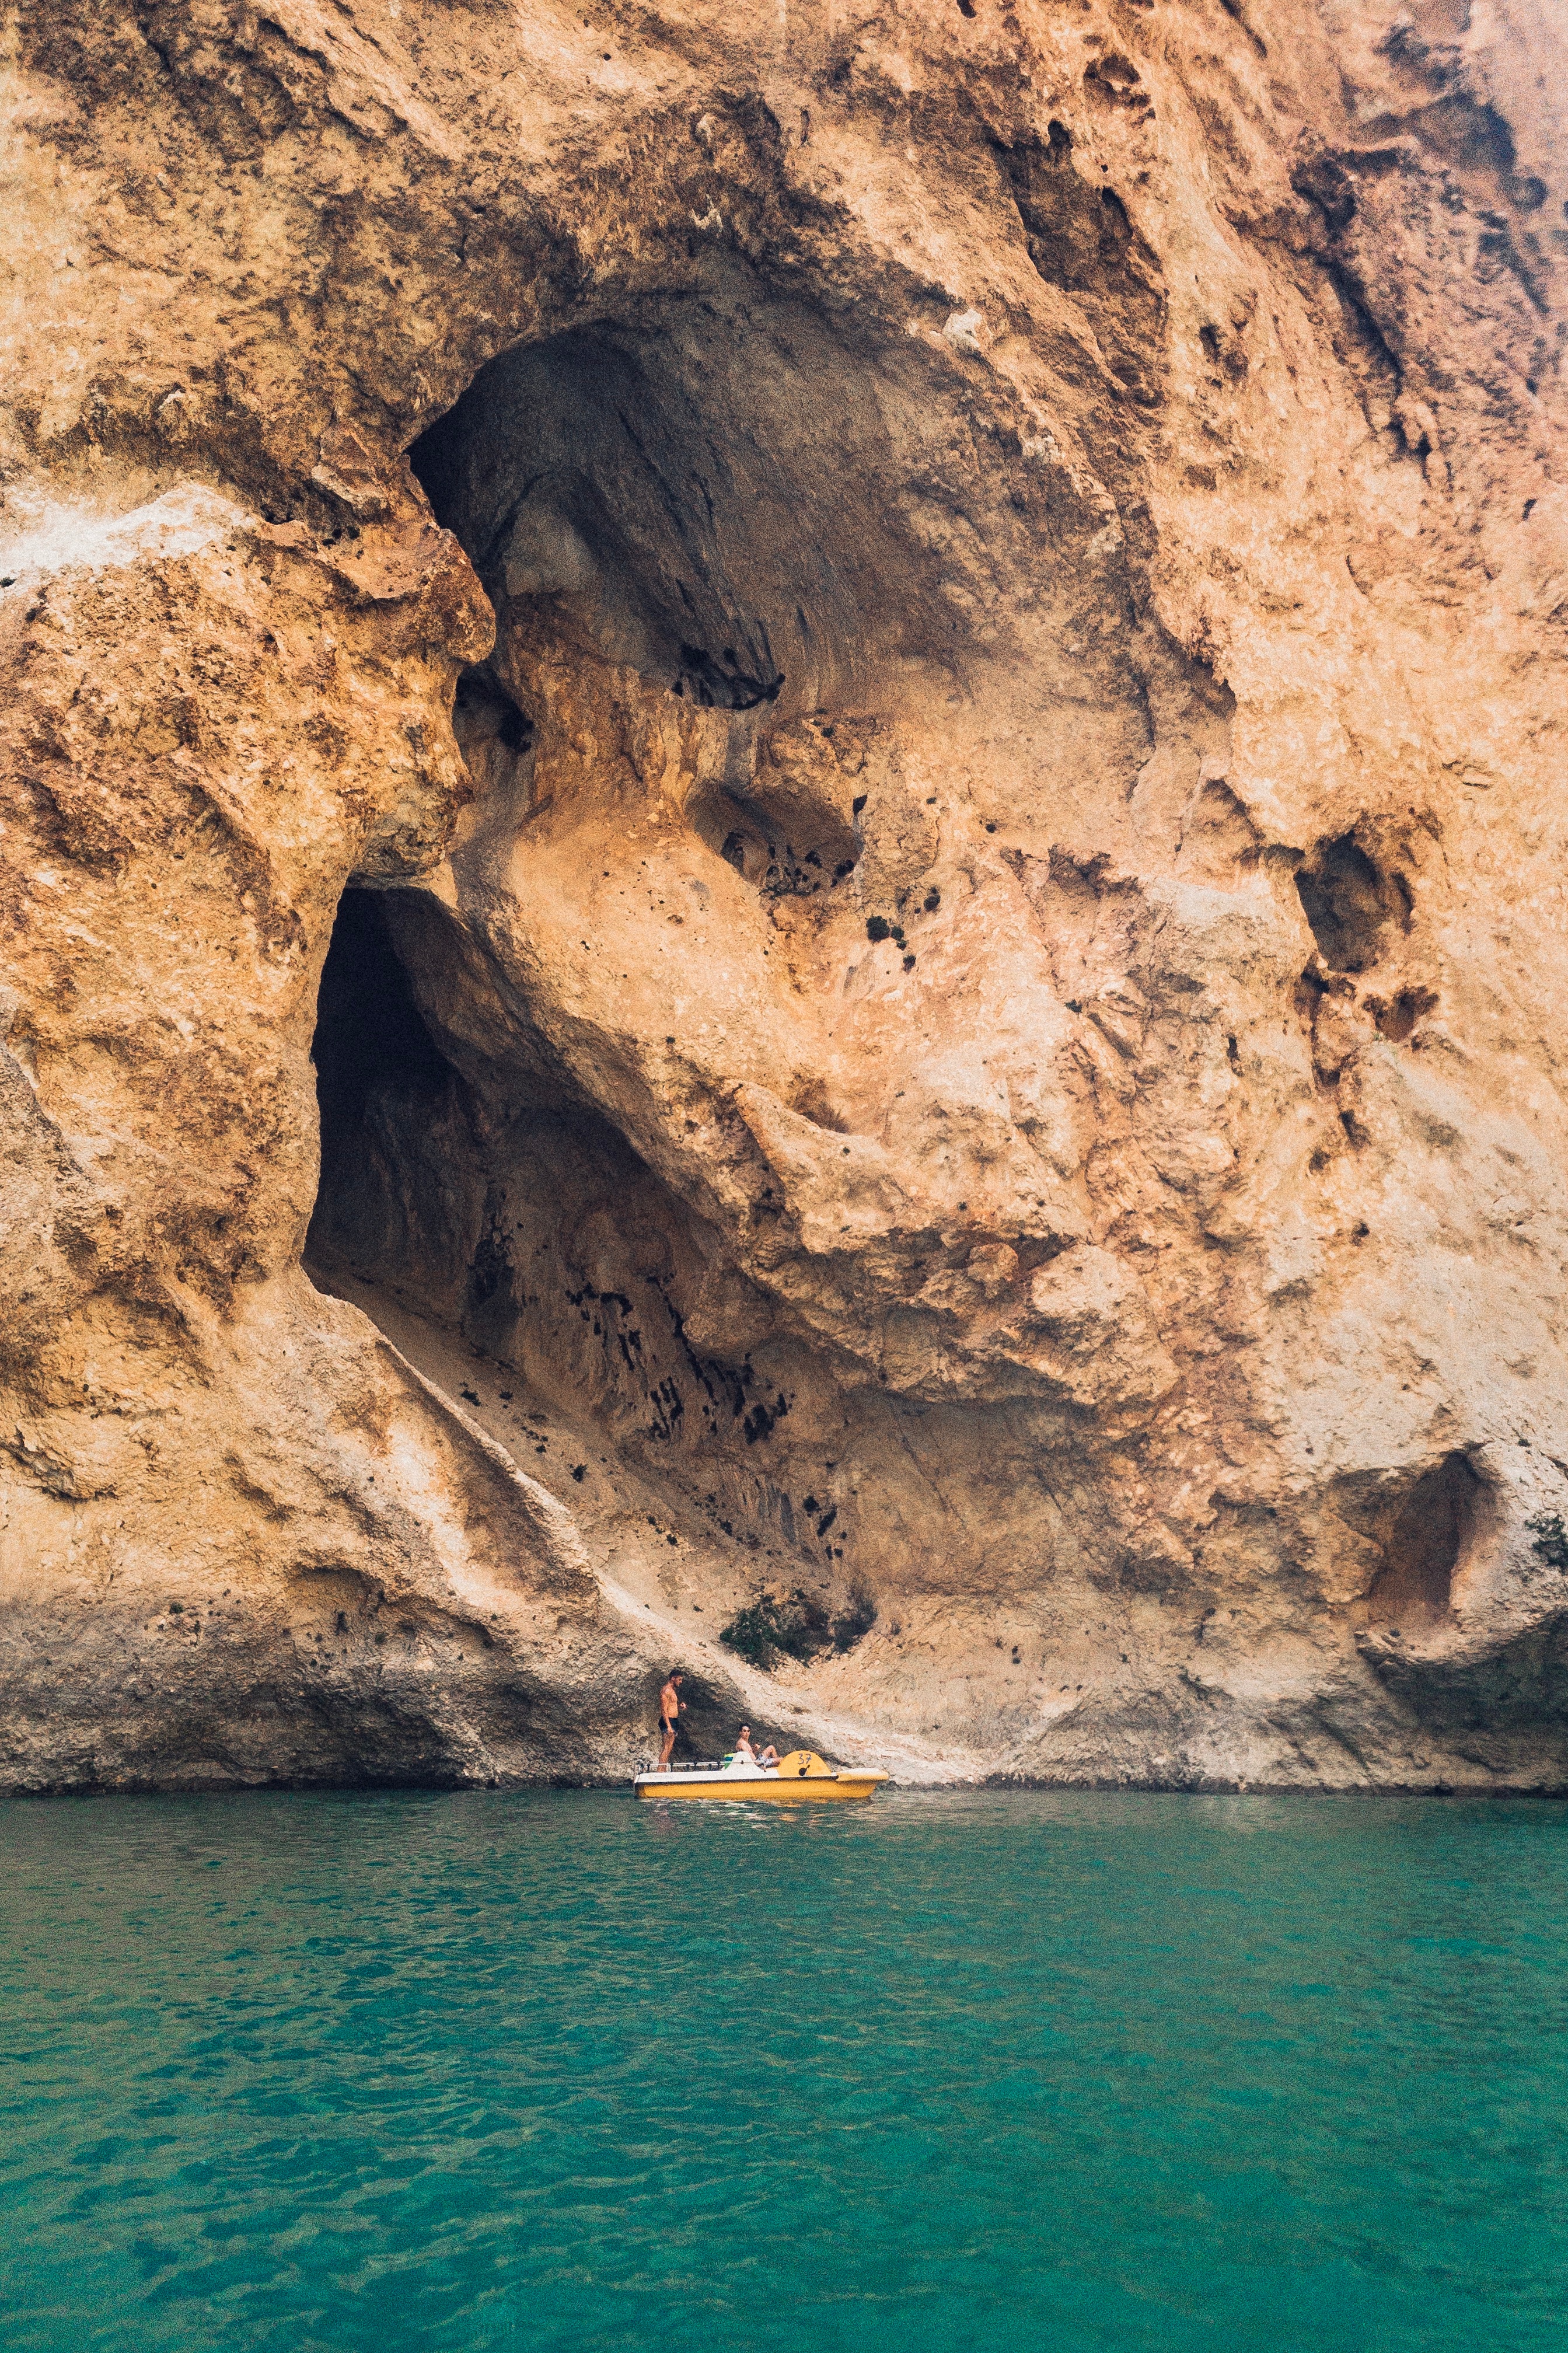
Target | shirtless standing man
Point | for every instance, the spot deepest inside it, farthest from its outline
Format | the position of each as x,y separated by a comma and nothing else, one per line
670,1706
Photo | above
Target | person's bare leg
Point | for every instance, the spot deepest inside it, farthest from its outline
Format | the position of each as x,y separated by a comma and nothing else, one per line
667,1751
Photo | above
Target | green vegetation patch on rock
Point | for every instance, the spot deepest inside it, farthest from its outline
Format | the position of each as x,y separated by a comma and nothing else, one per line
798,1625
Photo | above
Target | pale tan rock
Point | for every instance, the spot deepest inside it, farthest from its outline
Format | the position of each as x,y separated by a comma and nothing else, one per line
930,643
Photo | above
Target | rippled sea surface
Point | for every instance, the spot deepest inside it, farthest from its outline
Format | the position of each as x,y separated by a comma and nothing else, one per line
961,2071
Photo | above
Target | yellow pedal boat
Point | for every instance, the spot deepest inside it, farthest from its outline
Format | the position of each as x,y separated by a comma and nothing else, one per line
799,1778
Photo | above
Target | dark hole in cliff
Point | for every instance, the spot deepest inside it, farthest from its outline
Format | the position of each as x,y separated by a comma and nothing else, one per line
705,496
378,1073
655,486
1323,180
483,711
466,1179
418,1160
1430,1534
1350,904
1397,1020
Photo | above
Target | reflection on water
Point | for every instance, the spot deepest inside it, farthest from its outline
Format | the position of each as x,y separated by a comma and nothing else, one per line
962,2071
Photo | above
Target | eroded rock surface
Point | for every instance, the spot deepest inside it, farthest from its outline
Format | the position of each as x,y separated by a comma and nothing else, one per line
783,815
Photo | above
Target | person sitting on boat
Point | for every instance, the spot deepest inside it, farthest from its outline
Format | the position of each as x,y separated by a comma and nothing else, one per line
742,1758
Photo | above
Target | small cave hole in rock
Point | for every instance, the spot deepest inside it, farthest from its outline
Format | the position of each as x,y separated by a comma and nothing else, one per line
1351,906
1397,1021
482,711
1430,1536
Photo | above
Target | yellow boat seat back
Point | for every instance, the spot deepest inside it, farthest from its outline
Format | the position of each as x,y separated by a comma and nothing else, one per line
803,1765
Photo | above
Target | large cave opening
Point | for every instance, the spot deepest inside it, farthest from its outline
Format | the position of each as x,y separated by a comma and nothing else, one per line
381,1083
759,576
707,488
690,505
692,527
748,562
472,1181
473,1198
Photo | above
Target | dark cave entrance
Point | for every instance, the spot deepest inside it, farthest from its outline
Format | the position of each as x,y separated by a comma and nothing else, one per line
702,504
467,1180
1431,1534
705,488
380,1076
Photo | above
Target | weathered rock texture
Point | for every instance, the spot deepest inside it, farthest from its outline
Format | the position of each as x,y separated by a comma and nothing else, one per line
919,648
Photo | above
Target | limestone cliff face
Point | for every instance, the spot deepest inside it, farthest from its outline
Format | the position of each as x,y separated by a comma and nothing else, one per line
783,816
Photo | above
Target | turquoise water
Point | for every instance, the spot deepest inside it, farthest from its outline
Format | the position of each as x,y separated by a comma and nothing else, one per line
453,2071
